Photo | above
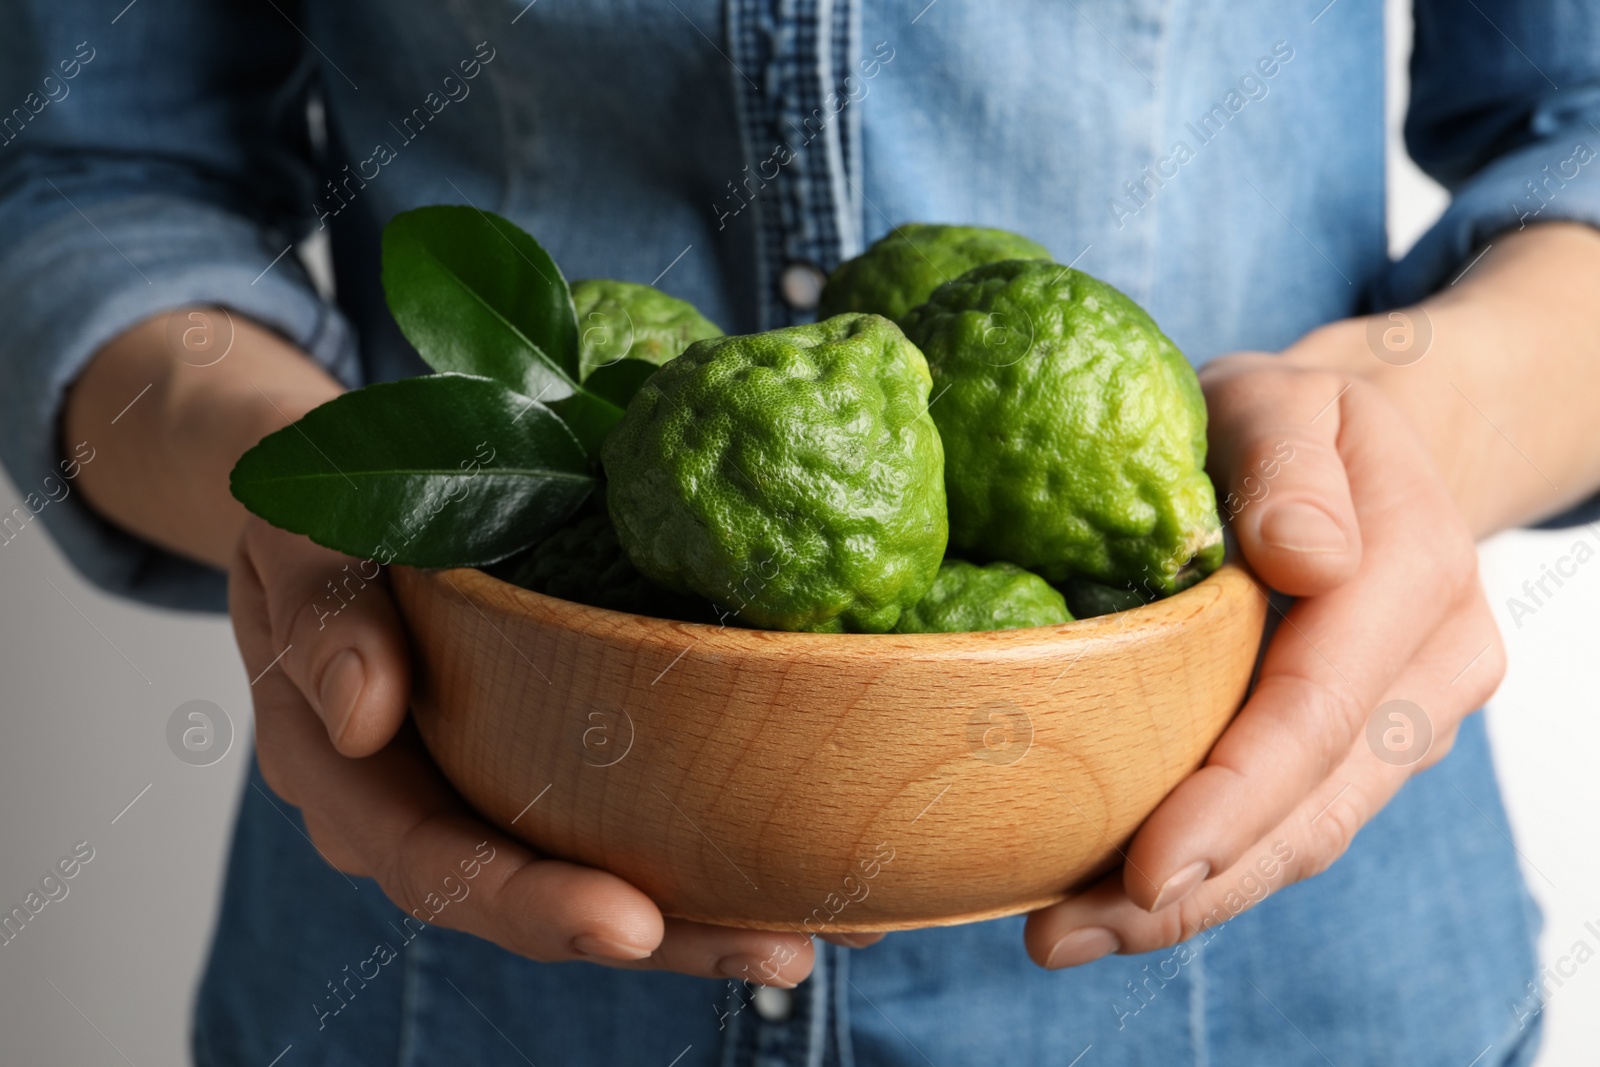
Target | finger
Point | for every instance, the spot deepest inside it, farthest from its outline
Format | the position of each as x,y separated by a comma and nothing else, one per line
1439,746
861,940
339,633
394,817
1315,835
252,631
552,910
1326,667
755,956
1274,453
339,854
410,831
1103,919
1452,675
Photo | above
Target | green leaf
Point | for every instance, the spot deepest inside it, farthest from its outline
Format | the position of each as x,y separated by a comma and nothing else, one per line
592,412
448,470
477,295
617,381
589,417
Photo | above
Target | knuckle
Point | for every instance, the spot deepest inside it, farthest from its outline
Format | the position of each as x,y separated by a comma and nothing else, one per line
1223,373
1492,667
1207,913
1364,394
1313,390
330,845
1269,456
1481,676
1310,728
300,626
433,891
1318,384
274,766
1331,833
1262,871
1171,927
1440,748
501,892
401,876
1343,714
1157,930
1455,561
310,648
1360,390
1325,722
1263,383
272,772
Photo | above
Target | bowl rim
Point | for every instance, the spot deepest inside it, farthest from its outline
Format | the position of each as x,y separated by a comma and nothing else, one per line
482,590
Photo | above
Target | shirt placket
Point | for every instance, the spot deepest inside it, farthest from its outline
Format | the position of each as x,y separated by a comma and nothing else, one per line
792,58
801,143
800,1027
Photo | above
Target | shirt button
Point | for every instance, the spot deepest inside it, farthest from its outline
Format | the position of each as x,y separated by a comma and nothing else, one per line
773,1004
802,285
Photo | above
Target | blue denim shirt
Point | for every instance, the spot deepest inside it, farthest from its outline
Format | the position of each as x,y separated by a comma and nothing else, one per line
1222,163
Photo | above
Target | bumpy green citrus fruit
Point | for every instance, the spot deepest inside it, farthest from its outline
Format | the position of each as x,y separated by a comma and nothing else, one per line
1074,430
625,320
792,476
903,268
583,562
1086,598
1000,596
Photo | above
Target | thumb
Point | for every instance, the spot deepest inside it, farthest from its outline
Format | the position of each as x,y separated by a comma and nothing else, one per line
339,634
1274,454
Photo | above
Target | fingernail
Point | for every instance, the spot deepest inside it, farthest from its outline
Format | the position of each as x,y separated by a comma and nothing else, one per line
606,948
750,969
855,940
1181,884
1302,527
1082,946
342,682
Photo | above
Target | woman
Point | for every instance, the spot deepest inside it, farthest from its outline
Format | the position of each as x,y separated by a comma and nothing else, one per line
1222,164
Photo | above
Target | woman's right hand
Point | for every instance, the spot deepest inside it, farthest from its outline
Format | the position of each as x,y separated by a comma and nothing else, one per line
331,727
333,740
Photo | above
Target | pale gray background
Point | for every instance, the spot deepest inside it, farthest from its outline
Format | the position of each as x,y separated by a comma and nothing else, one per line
106,975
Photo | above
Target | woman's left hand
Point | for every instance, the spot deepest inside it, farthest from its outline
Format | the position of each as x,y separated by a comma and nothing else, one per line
1336,500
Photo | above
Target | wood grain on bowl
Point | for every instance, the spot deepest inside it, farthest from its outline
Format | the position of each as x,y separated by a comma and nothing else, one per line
831,783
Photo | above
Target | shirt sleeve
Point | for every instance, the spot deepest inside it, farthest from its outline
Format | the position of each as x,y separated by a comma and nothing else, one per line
1505,113
157,160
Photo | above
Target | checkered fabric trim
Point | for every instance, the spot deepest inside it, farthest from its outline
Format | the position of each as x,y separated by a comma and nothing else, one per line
799,136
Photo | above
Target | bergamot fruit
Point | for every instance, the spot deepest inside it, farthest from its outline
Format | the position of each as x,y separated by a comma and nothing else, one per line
1086,599
1000,596
903,268
626,320
793,476
1074,430
584,563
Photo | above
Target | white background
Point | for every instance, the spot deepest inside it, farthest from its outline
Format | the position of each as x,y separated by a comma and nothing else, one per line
107,974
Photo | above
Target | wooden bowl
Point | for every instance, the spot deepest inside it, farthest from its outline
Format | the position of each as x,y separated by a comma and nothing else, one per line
822,782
